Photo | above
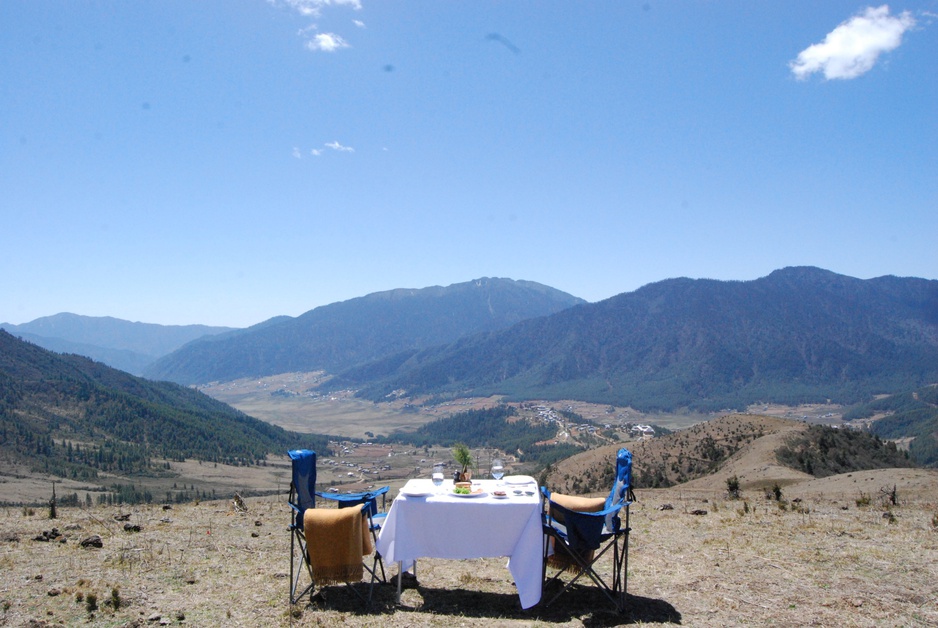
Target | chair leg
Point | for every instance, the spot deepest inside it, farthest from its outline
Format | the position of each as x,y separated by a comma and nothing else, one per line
296,573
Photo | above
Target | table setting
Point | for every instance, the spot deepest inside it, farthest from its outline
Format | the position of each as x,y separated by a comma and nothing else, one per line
442,518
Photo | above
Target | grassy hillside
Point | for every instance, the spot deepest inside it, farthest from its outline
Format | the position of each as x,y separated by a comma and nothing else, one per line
757,450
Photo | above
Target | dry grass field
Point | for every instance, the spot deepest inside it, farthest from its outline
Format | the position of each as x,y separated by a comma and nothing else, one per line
823,560
830,552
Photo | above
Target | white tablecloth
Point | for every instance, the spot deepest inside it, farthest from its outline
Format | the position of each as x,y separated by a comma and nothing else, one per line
447,526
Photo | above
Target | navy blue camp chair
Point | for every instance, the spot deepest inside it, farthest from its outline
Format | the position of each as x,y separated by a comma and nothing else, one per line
579,539
303,496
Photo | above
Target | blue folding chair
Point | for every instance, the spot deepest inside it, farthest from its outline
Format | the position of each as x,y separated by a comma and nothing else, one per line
302,497
576,538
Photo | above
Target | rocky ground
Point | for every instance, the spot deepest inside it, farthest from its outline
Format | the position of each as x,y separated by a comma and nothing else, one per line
838,553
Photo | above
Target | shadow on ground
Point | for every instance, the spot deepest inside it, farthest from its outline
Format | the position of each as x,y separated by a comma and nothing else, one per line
587,604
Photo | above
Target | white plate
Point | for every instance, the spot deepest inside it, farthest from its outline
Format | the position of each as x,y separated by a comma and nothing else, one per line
416,492
476,493
519,479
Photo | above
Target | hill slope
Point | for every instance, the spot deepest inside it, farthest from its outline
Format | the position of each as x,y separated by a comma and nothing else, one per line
342,335
72,417
124,345
760,451
797,335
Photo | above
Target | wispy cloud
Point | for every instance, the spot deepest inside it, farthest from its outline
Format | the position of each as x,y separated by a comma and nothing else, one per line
313,8
852,48
315,40
339,147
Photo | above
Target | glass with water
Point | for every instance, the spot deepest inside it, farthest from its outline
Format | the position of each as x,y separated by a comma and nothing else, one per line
498,471
437,476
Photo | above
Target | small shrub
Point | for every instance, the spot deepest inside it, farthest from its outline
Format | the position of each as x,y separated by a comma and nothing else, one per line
864,500
732,487
934,521
91,603
115,600
777,492
79,597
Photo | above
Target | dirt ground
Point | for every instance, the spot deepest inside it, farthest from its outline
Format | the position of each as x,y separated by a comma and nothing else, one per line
830,559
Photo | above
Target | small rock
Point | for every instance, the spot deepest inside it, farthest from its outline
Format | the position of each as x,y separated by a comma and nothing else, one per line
123,517
698,512
131,527
665,507
154,617
53,592
258,523
167,507
38,577
92,541
254,535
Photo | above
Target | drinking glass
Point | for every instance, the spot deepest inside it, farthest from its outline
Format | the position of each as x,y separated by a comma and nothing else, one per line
498,471
437,477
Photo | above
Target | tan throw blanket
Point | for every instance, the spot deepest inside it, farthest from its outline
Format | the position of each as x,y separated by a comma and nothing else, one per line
336,539
560,558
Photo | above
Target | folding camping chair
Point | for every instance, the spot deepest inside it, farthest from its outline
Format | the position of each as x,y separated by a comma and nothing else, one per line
579,531
302,498
376,517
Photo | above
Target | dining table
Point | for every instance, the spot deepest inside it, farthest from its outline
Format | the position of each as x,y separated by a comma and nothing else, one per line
426,521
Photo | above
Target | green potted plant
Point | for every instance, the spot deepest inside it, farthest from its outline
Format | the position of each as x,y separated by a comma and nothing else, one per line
463,458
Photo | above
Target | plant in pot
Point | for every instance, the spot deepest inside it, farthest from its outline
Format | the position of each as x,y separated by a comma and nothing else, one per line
463,458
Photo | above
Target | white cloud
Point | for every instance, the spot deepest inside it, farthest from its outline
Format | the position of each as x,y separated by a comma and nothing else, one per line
316,41
852,48
339,147
326,42
297,153
313,8
315,152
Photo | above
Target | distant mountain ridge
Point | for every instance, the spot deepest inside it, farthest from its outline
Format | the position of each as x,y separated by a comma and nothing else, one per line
128,346
799,334
345,334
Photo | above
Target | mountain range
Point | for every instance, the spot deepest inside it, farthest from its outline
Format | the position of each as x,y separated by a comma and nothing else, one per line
125,345
349,333
798,335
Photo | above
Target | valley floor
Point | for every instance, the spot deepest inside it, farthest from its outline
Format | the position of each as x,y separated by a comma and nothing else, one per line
823,561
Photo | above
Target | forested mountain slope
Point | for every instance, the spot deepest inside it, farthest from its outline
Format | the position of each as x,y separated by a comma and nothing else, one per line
797,335
73,417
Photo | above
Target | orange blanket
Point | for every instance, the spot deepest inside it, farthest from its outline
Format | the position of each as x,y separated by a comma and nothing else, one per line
337,539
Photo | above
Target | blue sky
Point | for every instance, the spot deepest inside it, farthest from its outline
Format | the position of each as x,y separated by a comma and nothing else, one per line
223,162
